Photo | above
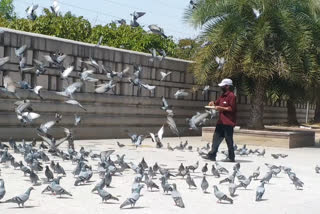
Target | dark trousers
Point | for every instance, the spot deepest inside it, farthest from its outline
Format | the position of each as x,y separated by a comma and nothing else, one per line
222,132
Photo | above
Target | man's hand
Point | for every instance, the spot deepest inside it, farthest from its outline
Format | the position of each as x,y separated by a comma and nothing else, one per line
211,103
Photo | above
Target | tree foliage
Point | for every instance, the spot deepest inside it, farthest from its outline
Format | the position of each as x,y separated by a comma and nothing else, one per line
77,28
7,9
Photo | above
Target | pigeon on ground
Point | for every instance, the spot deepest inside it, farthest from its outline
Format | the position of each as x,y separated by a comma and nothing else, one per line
262,153
267,177
169,147
190,181
2,189
120,144
317,169
256,173
105,196
260,191
21,199
34,178
215,172
48,173
204,184
177,197
245,183
230,178
193,167
58,190
59,170
232,189
205,169
132,200
221,196
150,184
166,187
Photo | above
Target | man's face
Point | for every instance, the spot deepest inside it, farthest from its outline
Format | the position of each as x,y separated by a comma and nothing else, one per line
224,88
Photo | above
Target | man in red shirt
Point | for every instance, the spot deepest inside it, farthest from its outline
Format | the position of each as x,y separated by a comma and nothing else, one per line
227,107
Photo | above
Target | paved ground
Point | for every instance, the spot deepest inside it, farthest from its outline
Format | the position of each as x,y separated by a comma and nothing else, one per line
280,197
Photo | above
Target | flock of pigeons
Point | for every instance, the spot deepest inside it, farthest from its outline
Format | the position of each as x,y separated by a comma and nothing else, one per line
35,155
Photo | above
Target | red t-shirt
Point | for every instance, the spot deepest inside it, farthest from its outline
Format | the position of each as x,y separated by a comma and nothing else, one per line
228,99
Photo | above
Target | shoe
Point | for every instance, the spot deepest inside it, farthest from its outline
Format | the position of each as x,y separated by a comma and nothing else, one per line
208,157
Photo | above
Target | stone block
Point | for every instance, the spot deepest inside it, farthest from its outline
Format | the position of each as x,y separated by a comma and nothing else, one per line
175,77
43,80
2,51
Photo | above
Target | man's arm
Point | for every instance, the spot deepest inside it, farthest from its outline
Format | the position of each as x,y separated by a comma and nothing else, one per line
230,108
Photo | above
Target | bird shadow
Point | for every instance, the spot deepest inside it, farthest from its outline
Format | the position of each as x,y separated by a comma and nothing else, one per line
235,195
25,207
245,189
110,202
62,197
262,200
222,202
133,208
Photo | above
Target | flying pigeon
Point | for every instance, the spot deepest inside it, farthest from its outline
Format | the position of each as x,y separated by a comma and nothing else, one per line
155,29
74,102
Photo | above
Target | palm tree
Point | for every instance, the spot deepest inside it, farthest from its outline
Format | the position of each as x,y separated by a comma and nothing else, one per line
260,40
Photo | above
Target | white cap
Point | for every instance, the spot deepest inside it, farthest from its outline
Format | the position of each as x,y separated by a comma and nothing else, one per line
225,82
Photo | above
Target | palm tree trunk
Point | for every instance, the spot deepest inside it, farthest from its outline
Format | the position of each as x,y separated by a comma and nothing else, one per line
257,105
317,112
292,114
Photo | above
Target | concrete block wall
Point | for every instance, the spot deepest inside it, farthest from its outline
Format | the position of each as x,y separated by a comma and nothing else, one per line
113,114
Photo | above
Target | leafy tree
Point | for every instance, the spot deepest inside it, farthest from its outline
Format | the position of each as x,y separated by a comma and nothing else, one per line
280,43
7,9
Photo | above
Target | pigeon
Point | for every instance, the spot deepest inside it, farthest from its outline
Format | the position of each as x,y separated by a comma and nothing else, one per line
267,177
172,125
150,184
193,5
262,153
220,62
100,41
100,185
164,75
165,186
177,196
31,12
204,184
256,12
70,90
317,169
232,189
55,7
229,179
85,76
56,59
153,54
151,88
190,181
74,102
2,189
245,183
4,60
59,169
58,190
132,200
155,29
157,138
256,173
296,182
181,93
215,172
108,179
169,147
260,191
33,177
48,173
221,196
137,139
193,167
77,120
19,52
65,74
105,196
21,199
120,144
44,127
40,67
135,16
104,88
